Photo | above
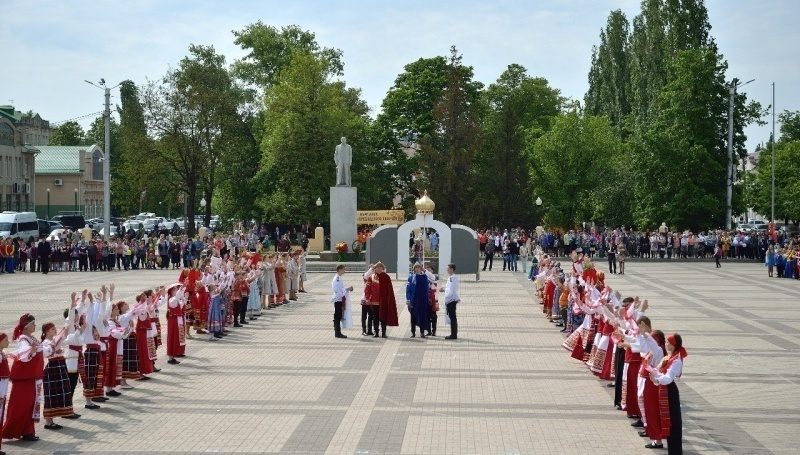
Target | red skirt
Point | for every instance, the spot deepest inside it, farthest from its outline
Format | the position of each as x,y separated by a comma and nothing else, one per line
629,386
652,411
112,376
19,412
176,337
145,364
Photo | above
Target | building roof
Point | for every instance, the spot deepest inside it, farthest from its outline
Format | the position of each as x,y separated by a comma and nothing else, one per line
10,113
57,159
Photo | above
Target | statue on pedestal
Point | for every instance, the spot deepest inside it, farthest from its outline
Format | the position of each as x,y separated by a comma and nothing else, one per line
343,156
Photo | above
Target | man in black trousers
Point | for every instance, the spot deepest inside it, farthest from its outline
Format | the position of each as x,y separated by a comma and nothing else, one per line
44,249
451,299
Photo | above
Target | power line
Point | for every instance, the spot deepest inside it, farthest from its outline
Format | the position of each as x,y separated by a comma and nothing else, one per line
93,114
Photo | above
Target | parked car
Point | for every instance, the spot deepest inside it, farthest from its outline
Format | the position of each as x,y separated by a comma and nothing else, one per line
760,228
168,223
44,228
149,225
19,224
55,225
790,229
135,226
56,234
73,222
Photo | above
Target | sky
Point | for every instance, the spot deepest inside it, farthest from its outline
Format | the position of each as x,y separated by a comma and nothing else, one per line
50,47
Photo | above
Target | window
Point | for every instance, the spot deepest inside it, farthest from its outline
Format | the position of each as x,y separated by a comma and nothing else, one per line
8,171
27,171
97,166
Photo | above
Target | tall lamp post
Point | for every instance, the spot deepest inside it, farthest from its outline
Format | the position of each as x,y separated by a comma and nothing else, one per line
729,194
48,203
319,211
76,200
203,207
539,208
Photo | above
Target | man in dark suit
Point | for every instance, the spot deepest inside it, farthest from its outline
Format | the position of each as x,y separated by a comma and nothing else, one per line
276,237
44,249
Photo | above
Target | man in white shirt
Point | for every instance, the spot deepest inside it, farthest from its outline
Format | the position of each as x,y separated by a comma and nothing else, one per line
451,298
339,300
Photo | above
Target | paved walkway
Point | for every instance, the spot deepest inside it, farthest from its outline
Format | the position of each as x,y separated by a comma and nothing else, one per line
285,385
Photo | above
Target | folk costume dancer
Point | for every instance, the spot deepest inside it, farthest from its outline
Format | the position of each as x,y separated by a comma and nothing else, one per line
280,280
301,264
433,299
620,354
451,299
176,332
57,397
668,371
25,401
386,307
270,284
215,313
418,301
648,344
339,300
145,345
5,374
102,310
130,353
239,307
119,328
294,277
254,296
366,308
91,355
73,357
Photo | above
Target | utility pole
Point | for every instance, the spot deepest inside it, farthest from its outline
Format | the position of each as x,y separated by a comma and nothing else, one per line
107,167
772,217
106,157
729,186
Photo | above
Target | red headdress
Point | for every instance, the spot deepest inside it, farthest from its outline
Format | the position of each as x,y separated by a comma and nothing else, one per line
45,328
24,320
120,305
679,351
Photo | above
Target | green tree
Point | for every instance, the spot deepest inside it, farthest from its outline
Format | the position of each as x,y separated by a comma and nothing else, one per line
193,116
131,173
609,76
790,126
409,104
576,142
446,155
682,155
68,134
271,50
304,116
518,108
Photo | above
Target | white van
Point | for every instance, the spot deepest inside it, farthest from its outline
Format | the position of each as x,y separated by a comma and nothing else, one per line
19,224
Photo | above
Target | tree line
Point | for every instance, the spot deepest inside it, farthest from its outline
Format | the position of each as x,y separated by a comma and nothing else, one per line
255,137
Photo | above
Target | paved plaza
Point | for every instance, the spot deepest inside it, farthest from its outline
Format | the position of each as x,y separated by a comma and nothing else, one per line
284,384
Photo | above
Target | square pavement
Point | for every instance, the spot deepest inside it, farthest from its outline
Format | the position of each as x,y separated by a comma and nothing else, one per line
284,384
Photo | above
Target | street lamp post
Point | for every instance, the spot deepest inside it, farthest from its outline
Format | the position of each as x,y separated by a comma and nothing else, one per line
203,207
48,203
76,200
539,207
319,211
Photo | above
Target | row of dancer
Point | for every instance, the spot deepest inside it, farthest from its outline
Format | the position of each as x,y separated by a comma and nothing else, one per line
615,339
104,344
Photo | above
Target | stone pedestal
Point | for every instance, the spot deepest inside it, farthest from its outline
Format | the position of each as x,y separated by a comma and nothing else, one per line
344,200
318,242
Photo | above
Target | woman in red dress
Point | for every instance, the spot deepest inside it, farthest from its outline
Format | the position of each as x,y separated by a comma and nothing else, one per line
24,404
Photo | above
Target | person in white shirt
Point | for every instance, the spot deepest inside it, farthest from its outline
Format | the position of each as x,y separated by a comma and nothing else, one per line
451,299
668,371
339,300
